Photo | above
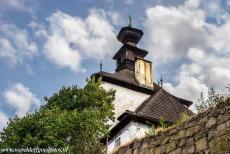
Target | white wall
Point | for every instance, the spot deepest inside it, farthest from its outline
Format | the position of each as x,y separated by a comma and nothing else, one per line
125,99
128,133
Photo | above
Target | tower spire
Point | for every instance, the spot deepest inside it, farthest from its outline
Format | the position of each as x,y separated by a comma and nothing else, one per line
100,65
130,21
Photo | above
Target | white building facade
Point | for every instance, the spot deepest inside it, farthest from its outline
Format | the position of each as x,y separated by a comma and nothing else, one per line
133,130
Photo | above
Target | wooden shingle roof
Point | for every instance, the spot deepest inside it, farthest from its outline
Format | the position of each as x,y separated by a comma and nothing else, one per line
162,104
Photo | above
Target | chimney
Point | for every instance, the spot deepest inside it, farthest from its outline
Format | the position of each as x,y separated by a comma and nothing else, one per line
143,72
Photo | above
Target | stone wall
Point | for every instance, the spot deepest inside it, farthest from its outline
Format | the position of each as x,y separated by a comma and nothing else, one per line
208,132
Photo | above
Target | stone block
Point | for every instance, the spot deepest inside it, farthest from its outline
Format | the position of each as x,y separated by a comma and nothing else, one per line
180,134
193,130
145,145
160,150
135,151
201,134
182,142
129,151
164,140
143,151
177,151
222,118
188,149
172,137
212,121
170,146
221,126
220,145
201,144
222,132
192,123
136,144
190,142
122,150
212,134
151,151
228,123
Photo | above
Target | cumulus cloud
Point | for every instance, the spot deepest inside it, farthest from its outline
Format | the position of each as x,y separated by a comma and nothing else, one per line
15,44
182,36
12,4
3,120
15,5
20,99
171,31
69,39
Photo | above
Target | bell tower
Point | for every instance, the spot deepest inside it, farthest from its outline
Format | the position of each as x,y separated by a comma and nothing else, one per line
130,57
128,53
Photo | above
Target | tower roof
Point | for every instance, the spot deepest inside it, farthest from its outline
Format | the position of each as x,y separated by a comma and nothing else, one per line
128,53
142,53
130,34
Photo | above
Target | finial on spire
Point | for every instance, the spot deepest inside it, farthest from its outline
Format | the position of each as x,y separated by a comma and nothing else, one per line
130,21
161,82
100,65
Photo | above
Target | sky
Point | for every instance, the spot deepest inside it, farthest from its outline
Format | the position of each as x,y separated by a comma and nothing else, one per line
45,45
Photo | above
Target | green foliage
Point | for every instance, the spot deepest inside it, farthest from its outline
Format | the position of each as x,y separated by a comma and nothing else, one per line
151,131
211,101
184,116
154,130
162,122
74,117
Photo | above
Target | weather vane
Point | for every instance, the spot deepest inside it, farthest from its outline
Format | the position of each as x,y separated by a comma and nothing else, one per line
130,21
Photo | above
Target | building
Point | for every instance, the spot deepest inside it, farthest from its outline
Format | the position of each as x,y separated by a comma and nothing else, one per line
139,102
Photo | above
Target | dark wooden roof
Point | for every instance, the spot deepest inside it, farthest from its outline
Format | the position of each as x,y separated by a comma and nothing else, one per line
125,78
163,104
129,34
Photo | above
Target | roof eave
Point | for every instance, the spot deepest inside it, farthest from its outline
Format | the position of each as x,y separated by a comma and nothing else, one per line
123,83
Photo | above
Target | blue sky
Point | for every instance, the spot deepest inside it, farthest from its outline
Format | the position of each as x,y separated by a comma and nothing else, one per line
45,45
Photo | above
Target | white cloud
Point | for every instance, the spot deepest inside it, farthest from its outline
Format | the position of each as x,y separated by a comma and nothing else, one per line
195,54
16,5
58,51
75,38
171,31
21,99
3,120
183,36
15,44
116,18
220,37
